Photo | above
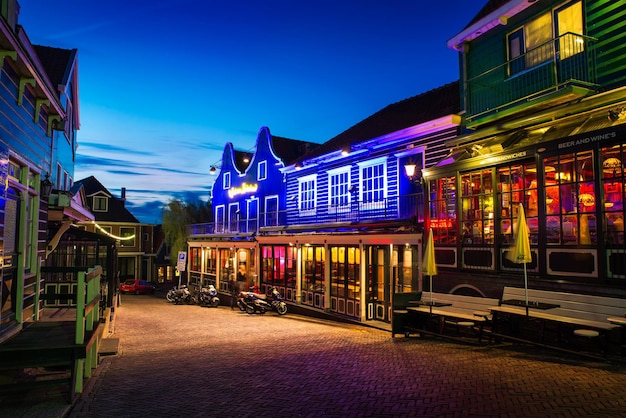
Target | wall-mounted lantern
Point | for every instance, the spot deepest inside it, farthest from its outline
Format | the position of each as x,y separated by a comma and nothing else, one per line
46,187
413,172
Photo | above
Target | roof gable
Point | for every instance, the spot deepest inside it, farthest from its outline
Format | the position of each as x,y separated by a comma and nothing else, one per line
117,211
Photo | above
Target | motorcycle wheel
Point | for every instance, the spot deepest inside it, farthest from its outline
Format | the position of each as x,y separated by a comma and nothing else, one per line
191,300
214,302
281,308
170,297
250,309
241,306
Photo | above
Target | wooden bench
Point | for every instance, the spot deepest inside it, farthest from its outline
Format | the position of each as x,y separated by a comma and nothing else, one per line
463,311
577,312
399,314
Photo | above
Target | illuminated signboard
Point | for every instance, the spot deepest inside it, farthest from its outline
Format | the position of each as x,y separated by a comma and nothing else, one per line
441,223
245,188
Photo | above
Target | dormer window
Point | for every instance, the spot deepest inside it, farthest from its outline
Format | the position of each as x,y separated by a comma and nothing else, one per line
226,181
100,204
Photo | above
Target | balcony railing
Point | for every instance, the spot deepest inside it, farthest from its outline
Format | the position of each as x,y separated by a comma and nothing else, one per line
569,60
407,208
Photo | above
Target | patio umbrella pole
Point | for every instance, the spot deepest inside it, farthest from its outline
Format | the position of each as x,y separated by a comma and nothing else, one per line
526,289
431,293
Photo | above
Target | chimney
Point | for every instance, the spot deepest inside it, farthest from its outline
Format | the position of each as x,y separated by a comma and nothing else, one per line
123,196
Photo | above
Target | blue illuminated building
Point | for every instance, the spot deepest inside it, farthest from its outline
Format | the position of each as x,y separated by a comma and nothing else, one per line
337,226
538,118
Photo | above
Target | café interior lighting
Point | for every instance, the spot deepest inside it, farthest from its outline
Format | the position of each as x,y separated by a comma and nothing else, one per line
612,164
587,199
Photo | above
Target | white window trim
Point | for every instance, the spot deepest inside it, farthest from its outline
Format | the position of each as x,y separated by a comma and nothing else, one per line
259,170
106,204
226,181
267,200
236,208
334,172
370,163
306,179
219,228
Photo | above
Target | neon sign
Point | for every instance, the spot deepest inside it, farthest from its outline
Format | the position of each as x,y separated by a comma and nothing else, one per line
245,188
441,223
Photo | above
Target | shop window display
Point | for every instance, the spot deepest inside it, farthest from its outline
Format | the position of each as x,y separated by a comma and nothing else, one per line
313,272
570,199
613,193
443,219
477,207
517,184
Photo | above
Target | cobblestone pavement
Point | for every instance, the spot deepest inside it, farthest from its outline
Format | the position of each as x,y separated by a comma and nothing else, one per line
177,361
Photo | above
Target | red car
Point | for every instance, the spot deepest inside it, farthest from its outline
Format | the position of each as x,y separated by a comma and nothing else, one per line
136,286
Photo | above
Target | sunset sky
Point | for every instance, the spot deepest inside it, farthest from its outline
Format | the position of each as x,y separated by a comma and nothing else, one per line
165,84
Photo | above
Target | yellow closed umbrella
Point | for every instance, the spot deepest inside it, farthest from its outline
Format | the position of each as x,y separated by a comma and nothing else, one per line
520,253
429,266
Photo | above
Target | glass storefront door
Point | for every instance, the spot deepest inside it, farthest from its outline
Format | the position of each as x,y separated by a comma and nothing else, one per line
378,279
345,284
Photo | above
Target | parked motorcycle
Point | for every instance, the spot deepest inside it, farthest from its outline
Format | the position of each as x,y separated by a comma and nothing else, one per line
252,302
181,295
208,297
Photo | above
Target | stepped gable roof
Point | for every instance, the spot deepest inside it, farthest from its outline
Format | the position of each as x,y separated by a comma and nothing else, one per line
289,150
433,104
117,211
56,62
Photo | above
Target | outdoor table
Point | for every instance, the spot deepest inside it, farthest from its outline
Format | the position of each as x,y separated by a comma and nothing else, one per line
536,305
432,303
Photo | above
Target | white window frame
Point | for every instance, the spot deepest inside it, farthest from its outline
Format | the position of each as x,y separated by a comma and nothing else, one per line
380,186
220,219
273,198
307,195
226,181
339,194
262,171
98,208
234,215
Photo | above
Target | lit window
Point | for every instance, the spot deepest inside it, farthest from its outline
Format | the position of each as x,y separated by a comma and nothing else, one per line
532,44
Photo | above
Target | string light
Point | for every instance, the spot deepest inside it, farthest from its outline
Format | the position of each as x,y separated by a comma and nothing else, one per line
105,232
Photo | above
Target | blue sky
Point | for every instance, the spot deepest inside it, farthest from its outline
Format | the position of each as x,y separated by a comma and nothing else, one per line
165,84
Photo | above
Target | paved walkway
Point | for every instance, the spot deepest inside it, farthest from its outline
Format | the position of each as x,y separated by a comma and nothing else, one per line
189,361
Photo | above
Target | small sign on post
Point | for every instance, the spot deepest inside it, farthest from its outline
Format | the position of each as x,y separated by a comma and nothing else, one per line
182,261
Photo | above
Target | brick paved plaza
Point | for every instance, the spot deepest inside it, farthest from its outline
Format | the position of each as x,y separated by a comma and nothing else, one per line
187,361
